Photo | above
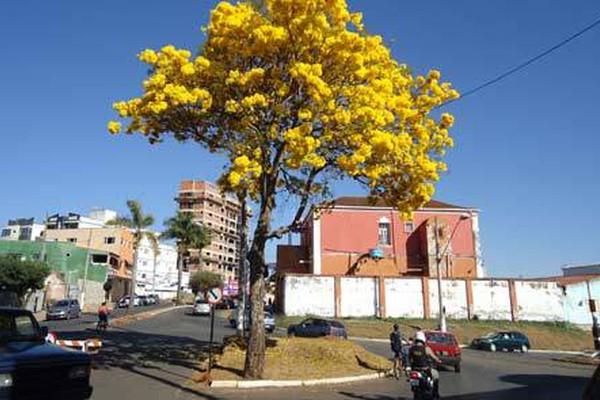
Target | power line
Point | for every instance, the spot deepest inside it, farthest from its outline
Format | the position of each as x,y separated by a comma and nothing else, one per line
528,62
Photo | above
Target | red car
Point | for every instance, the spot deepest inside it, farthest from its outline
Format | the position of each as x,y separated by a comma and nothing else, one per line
446,347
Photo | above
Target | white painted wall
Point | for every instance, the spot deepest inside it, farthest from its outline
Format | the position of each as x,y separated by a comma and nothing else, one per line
166,266
455,298
404,298
309,295
358,297
539,301
491,299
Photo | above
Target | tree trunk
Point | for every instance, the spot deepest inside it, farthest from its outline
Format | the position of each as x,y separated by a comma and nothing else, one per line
133,278
179,277
242,283
255,354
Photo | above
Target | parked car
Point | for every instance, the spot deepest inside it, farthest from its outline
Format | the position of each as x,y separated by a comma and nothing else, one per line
201,307
124,301
144,300
504,340
155,298
269,321
64,309
33,369
317,327
446,347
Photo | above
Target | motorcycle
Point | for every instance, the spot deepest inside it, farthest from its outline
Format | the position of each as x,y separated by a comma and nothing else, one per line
422,385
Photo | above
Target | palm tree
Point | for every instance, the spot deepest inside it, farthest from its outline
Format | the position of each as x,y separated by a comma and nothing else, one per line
188,235
138,223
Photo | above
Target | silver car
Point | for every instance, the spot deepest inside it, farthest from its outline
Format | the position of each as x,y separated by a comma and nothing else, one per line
64,309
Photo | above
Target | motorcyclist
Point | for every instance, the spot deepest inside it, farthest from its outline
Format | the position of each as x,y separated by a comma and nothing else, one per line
420,357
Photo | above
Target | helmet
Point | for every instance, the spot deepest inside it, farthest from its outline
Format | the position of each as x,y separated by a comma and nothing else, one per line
420,336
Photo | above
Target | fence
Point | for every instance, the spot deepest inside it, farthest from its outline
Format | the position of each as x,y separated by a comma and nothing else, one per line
495,299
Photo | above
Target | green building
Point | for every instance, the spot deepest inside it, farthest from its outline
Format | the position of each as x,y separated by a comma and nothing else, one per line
68,264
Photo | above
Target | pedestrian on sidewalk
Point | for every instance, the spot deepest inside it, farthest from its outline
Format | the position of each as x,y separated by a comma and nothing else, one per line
396,347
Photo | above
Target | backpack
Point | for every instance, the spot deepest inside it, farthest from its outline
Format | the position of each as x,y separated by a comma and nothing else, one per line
417,357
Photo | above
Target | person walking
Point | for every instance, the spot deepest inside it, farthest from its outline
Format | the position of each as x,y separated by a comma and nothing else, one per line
396,347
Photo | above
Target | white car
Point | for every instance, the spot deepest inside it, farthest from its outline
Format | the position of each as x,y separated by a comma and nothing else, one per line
124,302
201,307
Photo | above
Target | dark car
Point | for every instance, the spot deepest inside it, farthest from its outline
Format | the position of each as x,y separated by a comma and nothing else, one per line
446,347
64,309
318,327
505,340
33,369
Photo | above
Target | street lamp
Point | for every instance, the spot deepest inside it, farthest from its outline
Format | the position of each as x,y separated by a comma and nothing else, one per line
438,259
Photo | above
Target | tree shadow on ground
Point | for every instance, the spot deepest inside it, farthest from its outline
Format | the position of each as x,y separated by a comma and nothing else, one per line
171,360
546,387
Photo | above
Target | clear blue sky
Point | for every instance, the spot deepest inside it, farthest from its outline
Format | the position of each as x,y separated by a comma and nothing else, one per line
526,149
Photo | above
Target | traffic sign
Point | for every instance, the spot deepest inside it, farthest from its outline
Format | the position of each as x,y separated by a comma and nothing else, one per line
214,295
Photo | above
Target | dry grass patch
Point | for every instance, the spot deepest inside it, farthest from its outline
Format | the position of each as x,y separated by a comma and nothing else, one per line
300,359
543,335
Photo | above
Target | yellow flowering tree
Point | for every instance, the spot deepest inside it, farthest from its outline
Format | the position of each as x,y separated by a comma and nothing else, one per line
295,93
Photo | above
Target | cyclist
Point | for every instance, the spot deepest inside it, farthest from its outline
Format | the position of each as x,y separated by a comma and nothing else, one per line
103,313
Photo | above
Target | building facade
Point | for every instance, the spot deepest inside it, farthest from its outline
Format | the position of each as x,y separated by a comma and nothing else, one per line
220,213
22,229
355,237
116,243
157,270
74,270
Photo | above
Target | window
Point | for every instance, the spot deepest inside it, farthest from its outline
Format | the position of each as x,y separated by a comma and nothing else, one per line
384,232
99,259
5,232
25,327
72,240
409,226
109,240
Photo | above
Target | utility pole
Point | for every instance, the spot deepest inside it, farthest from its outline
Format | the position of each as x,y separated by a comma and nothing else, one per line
439,278
242,290
85,271
438,259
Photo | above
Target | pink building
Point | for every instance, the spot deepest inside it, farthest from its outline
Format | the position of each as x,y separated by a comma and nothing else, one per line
343,239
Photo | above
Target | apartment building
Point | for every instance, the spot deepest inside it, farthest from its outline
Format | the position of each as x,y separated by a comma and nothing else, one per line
22,229
220,213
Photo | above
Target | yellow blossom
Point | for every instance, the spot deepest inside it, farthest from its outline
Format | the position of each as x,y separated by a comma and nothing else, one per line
114,127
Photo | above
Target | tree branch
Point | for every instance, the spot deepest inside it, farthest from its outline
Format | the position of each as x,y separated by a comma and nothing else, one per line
304,202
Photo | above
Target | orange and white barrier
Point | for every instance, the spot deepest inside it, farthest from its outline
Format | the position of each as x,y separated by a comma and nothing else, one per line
90,346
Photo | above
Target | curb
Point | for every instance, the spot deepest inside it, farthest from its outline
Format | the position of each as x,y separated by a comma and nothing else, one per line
573,353
143,315
360,339
148,314
309,382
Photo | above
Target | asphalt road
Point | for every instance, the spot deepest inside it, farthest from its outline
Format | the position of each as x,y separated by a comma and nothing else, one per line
87,319
154,359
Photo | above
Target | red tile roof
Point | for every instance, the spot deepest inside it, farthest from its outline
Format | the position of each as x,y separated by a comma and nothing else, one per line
362,201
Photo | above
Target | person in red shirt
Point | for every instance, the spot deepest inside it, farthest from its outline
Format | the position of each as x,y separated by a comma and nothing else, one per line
103,313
